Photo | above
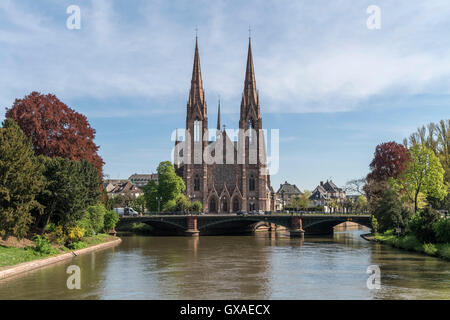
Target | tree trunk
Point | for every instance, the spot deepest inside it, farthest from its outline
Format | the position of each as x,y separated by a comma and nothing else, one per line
415,201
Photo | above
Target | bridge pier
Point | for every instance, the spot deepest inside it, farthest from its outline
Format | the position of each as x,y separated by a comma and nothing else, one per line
192,230
296,229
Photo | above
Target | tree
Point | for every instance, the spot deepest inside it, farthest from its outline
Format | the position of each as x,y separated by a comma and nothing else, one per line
151,196
55,129
110,220
389,161
122,200
71,187
93,219
422,223
435,136
138,204
390,213
424,174
355,186
21,180
301,201
361,204
169,187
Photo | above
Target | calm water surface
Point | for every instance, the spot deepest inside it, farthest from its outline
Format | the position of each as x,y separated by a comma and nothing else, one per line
261,266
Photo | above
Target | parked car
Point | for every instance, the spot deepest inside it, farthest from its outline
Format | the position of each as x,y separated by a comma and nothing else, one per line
241,213
259,212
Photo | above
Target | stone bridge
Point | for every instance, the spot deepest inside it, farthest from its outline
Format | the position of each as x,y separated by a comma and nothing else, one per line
193,225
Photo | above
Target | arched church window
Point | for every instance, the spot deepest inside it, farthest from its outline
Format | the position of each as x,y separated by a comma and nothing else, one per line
251,183
224,205
196,130
212,205
196,183
236,204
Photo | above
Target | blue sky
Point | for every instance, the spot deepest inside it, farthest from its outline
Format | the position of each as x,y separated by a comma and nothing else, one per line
334,88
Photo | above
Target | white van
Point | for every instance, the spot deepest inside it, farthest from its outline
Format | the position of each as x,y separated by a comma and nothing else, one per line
126,212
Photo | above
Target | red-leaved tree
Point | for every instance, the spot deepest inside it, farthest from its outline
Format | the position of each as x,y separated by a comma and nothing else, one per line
390,160
55,129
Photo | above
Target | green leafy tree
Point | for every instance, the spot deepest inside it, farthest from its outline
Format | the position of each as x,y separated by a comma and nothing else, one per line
93,219
21,180
422,223
110,220
423,174
71,187
390,213
361,204
151,196
170,186
441,230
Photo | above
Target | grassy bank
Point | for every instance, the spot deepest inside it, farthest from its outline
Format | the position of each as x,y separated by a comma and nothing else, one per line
11,255
411,243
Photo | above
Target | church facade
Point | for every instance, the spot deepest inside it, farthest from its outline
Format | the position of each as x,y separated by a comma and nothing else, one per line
225,173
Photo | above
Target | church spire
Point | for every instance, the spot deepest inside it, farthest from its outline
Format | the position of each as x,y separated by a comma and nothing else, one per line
218,116
250,82
250,100
196,95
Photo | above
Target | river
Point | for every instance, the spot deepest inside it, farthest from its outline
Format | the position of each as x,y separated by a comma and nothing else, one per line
260,266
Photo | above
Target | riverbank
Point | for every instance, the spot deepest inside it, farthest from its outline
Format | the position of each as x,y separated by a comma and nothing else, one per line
410,243
33,261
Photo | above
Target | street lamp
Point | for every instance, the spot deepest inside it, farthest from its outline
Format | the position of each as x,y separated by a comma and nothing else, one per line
159,202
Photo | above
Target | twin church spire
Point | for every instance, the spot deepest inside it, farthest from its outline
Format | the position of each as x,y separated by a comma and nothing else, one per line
197,103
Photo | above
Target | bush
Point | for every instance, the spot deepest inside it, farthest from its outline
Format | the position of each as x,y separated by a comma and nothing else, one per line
441,229
42,246
410,242
422,223
76,234
196,206
170,205
390,213
444,250
374,223
57,235
110,220
78,245
93,219
430,249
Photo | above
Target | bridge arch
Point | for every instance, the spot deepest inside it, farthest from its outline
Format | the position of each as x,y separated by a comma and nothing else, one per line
325,226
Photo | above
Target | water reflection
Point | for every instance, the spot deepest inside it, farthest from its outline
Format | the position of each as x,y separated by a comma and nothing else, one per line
262,266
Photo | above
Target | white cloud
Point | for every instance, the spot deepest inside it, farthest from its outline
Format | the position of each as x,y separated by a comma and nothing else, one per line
308,57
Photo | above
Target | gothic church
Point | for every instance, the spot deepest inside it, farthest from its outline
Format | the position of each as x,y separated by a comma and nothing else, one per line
241,180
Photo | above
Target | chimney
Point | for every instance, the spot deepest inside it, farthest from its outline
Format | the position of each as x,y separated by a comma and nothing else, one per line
321,183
